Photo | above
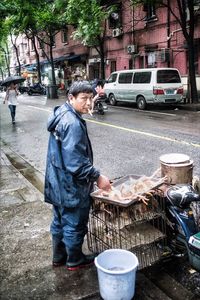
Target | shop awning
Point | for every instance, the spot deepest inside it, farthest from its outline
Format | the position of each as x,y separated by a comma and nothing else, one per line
70,57
30,67
73,57
61,58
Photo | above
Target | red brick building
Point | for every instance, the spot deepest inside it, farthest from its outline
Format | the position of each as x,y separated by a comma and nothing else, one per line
151,37
136,37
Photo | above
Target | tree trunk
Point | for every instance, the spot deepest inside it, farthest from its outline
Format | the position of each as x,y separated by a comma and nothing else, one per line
2,75
52,93
52,67
6,60
37,60
19,64
17,54
38,66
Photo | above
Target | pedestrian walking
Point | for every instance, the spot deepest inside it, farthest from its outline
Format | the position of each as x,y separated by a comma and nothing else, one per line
70,176
11,98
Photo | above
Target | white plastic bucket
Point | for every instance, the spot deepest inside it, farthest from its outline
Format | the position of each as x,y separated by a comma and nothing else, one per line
116,269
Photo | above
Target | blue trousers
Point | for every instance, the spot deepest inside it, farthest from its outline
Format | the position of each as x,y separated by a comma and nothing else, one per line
68,228
12,111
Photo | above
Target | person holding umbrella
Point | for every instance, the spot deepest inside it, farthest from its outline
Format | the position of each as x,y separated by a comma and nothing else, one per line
12,93
11,97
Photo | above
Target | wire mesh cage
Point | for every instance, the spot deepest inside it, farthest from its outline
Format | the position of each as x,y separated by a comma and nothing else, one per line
139,227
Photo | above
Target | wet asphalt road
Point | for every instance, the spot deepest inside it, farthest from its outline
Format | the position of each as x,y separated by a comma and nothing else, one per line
125,140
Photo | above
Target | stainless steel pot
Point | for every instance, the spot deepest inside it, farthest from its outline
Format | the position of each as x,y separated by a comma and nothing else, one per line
178,168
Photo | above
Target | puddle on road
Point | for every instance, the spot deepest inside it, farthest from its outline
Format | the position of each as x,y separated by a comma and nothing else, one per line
28,171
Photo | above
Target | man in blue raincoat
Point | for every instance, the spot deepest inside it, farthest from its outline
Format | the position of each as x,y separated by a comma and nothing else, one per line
70,176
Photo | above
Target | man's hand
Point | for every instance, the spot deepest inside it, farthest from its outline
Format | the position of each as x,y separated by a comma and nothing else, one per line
4,101
103,183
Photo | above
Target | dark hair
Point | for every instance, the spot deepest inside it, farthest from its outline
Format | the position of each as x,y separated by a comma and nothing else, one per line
80,87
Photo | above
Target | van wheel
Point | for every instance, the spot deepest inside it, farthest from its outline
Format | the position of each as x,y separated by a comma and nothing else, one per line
112,100
141,103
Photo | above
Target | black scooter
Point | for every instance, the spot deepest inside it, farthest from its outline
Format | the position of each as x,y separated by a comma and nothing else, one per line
23,89
182,213
37,88
100,106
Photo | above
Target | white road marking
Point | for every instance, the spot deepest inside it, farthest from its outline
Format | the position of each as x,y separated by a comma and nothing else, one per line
161,137
39,108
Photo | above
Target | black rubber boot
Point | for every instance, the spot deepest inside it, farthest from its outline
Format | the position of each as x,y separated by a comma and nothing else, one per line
59,252
79,260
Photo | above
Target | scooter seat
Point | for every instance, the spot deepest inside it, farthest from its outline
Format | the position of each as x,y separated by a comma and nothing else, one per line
181,195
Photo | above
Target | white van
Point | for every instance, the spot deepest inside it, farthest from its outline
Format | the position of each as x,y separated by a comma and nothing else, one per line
145,86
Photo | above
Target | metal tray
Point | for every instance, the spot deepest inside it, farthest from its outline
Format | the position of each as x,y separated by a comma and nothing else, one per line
117,184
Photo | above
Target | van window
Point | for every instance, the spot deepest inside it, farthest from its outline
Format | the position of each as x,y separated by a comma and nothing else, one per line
125,77
142,77
112,78
168,76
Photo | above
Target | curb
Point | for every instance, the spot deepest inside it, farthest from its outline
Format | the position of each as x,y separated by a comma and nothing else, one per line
189,107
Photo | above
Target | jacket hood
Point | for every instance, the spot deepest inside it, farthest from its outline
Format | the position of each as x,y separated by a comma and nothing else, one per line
55,117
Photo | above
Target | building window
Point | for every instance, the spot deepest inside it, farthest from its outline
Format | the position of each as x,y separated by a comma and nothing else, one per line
113,66
32,46
40,44
25,47
150,10
18,50
64,36
54,40
115,18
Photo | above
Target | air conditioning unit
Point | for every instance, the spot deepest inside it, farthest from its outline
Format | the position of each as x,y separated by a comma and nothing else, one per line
117,32
132,49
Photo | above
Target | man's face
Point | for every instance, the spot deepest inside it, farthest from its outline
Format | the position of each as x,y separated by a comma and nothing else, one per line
82,102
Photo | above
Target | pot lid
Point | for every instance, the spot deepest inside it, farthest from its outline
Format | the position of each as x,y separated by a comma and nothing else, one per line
174,158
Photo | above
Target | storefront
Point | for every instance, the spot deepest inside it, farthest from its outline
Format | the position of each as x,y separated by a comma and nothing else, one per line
69,69
30,73
94,67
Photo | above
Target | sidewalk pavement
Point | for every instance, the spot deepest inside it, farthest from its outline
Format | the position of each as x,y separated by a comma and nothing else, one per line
26,270
25,251
189,107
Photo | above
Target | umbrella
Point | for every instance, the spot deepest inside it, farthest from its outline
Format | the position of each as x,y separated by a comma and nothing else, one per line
14,79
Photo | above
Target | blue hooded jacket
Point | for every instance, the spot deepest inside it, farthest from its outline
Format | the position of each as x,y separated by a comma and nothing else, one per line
69,167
